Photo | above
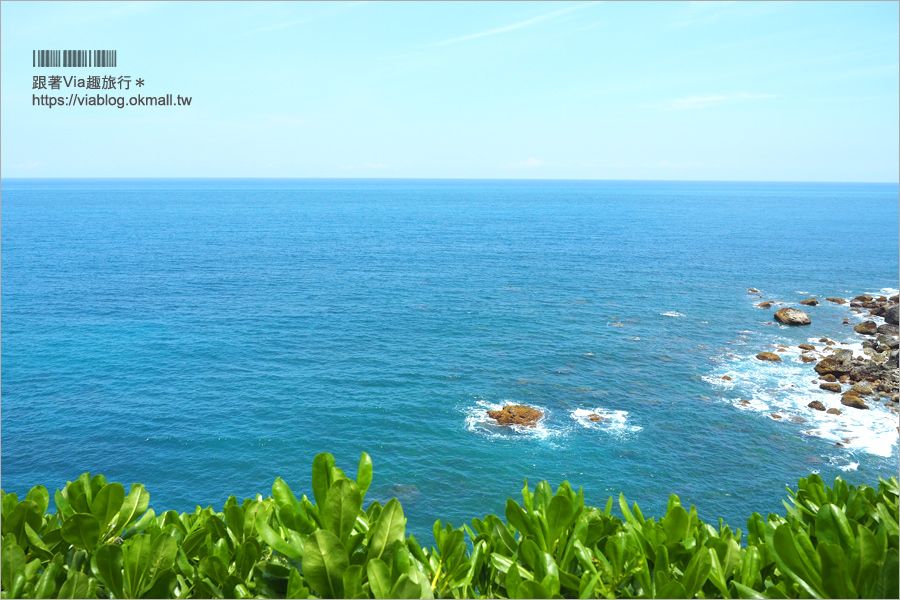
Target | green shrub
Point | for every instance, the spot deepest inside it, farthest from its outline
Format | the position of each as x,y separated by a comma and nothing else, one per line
840,541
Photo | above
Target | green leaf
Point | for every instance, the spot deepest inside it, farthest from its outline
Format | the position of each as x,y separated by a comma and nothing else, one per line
835,581
46,585
676,524
533,589
324,562
273,539
322,477
341,508
405,588
673,589
390,527
352,580
364,474
12,561
743,591
782,544
162,557
40,496
107,566
81,530
379,578
696,573
135,504
136,564
832,527
560,513
107,503
77,585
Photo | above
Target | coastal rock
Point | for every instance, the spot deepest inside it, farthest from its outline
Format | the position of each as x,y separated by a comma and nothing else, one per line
853,401
798,420
595,418
830,387
891,314
833,411
844,378
807,358
768,356
816,405
831,378
888,329
809,302
764,305
516,414
838,364
775,416
806,347
792,316
752,291
866,328
837,300
889,341
862,389
863,298
726,378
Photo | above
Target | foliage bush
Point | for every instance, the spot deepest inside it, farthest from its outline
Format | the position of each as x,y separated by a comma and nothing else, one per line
839,541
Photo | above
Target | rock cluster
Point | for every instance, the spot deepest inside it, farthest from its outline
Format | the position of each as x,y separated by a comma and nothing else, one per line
516,414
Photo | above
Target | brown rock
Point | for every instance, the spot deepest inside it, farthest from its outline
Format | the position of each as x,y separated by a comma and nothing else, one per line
792,316
823,340
830,387
866,328
744,402
774,416
806,347
833,411
853,401
863,298
862,389
752,291
798,420
855,310
726,378
807,358
881,299
809,302
764,305
828,377
517,414
844,379
768,356
816,405
595,418
837,300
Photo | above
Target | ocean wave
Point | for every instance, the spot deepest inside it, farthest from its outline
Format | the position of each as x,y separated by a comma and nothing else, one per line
612,421
786,388
671,313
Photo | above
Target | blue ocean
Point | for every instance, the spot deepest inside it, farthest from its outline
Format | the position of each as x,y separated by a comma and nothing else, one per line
204,337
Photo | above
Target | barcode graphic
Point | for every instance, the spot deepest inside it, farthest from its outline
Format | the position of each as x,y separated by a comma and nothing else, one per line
73,58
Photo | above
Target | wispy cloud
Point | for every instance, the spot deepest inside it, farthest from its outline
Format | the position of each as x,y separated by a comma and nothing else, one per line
514,26
525,164
695,102
331,11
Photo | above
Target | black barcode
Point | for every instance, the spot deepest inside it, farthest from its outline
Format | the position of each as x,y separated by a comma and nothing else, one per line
73,58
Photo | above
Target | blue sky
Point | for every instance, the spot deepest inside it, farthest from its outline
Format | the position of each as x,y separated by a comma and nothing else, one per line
576,90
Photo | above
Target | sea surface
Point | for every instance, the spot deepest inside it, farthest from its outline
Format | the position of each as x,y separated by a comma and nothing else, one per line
204,337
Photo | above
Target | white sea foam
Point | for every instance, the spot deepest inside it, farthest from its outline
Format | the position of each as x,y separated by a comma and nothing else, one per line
671,313
786,388
611,421
478,421
890,291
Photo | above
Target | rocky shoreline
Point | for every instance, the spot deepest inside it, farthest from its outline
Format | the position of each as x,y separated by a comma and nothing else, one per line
871,376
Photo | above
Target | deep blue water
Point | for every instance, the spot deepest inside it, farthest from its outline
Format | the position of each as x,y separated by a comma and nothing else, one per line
206,336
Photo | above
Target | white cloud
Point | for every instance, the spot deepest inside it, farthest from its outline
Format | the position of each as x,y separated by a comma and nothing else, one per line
514,26
526,164
695,102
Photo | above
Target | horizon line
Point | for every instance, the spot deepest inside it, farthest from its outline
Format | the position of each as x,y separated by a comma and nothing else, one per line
453,179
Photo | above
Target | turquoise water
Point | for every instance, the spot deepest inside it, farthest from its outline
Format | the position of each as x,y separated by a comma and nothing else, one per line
206,336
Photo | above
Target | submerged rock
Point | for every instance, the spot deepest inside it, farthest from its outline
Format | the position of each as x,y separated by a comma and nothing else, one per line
792,316
809,302
516,414
833,411
828,377
764,305
816,405
768,356
830,387
806,347
807,358
837,300
752,291
595,418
